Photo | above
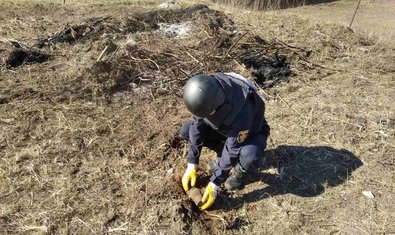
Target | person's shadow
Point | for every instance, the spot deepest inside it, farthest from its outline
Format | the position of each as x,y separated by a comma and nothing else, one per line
303,171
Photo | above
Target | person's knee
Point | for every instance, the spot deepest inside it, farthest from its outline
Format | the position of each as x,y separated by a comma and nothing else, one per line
184,131
251,158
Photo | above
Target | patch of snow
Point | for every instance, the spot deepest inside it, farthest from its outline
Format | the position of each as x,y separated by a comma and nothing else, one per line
169,4
368,194
178,30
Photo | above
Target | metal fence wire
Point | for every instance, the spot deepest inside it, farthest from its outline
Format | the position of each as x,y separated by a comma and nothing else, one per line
375,18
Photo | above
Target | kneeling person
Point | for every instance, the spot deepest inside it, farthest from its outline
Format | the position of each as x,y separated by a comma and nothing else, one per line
229,119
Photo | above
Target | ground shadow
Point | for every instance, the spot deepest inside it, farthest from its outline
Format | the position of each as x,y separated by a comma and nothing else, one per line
303,171
316,2
300,3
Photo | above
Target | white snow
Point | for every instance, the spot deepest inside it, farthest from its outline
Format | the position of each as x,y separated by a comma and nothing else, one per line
178,30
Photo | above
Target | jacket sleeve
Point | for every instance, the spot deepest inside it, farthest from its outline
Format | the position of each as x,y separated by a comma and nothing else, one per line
237,136
195,142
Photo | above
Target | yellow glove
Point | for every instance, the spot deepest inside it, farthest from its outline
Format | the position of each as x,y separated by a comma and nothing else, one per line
209,196
189,176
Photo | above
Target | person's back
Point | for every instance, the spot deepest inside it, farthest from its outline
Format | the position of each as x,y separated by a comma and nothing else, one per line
246,104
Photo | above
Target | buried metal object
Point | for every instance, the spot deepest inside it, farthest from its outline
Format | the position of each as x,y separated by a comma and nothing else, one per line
195,195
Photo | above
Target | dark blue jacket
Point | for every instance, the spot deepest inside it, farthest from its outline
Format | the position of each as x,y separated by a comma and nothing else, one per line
242,111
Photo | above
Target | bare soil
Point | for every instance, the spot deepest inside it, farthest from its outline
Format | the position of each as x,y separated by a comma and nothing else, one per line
89,135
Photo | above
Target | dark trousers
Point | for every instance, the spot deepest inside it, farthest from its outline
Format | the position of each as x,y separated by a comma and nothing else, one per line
250,157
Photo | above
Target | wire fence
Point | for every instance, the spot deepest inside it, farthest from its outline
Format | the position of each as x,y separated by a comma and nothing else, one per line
375,18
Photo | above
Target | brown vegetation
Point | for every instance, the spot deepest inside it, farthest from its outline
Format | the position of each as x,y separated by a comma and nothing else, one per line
269,4
89,140
263,4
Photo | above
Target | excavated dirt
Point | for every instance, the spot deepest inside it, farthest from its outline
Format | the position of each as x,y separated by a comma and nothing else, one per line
89,139
19,57
14,55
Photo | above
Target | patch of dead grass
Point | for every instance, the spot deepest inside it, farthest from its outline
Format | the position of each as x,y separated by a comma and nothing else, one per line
73,162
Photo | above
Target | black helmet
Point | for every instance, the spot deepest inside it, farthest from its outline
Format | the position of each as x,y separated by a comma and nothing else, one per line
202,95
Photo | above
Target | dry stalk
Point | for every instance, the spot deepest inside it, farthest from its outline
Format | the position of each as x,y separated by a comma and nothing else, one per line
217,217
234,45
289,106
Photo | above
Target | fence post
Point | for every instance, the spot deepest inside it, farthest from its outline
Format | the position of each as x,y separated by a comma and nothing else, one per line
356,9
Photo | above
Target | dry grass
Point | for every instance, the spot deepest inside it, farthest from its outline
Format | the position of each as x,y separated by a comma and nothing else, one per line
77,157
263,4
372,19
342,109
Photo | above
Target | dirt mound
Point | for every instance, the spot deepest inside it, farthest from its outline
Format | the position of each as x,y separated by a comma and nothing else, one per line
92,28
95,28
150,59
211,47
136,63
149,21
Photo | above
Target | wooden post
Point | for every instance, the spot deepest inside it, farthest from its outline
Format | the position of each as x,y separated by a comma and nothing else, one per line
356,9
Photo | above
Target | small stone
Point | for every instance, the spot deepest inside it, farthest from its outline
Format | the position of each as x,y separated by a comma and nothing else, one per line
169,4
368,194
131,45
364,50
345,59
133,85
162,91
111,46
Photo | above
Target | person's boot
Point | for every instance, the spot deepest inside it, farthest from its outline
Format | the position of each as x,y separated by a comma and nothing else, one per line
237,180
211,165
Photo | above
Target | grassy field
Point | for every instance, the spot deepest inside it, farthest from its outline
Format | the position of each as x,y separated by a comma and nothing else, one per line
372,19
91,146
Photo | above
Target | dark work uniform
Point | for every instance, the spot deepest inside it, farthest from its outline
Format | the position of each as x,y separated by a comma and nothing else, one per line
237,130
